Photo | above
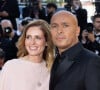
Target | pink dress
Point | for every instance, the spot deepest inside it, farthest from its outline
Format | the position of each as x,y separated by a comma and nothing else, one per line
20,74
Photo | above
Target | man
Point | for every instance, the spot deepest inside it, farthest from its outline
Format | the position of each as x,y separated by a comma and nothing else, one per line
97,6
11,37
74,68
91,36
9,10
81,14
51,9
34,9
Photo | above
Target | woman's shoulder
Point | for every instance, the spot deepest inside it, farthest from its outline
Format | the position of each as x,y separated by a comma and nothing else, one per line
11,63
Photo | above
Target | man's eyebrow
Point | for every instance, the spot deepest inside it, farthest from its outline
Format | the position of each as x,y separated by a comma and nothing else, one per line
53,23
64,23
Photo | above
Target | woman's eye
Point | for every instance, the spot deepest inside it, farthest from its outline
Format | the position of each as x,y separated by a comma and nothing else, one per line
28,37
37,37
34,38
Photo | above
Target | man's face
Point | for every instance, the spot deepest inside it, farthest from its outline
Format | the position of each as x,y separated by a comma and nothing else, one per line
5,25
64,31
76,3
51,9
96,24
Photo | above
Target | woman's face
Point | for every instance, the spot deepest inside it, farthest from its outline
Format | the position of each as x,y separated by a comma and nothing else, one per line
35,41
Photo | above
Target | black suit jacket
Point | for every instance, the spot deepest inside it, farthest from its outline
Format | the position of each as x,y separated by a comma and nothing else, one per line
93,46
81,15
29,12
79,69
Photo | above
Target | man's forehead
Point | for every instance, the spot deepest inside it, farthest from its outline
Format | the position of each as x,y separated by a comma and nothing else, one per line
63,12
63,21
63,15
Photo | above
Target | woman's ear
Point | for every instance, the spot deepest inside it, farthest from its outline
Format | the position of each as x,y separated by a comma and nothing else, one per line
46,44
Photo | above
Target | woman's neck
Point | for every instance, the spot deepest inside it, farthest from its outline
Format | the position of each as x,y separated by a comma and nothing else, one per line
35,59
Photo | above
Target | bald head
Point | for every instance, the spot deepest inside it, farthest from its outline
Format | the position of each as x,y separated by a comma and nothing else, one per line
64,29
6,23
65,14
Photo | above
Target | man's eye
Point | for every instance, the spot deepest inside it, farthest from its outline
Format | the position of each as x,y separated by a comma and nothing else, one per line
65,25
53,26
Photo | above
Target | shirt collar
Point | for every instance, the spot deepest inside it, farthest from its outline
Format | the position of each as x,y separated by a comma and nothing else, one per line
72,52
97,34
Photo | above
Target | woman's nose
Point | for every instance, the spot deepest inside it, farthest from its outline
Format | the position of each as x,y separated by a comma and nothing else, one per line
33,41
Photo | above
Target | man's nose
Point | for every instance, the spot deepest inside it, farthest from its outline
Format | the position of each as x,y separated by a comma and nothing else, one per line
59,30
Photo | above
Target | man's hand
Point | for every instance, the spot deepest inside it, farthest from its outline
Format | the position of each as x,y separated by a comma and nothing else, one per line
91,37
4,14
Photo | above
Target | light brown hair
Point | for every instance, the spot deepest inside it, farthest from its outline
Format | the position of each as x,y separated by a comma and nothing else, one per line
48,54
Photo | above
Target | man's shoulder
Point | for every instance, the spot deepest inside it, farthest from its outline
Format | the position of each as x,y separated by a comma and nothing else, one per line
87,54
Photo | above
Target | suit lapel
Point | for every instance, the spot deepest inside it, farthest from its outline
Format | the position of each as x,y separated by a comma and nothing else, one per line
53,71
63,67
69,57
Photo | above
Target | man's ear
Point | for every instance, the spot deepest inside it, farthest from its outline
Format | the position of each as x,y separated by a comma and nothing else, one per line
78,31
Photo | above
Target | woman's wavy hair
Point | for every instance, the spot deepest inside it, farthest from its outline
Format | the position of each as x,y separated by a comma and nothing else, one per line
48,54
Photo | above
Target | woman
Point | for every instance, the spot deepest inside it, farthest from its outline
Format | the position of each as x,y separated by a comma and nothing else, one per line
31,70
